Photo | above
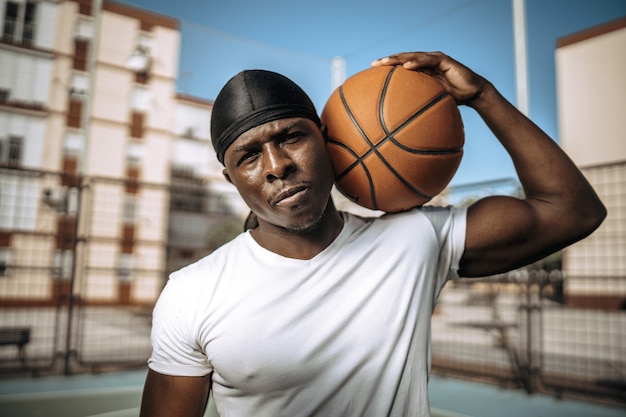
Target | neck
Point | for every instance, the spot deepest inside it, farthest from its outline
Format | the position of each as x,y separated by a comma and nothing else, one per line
300,245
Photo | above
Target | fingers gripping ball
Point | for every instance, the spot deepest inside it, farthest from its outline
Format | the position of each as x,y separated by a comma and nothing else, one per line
395,138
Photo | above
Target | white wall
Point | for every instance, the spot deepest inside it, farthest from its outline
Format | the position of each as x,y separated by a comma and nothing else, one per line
591,87
591,94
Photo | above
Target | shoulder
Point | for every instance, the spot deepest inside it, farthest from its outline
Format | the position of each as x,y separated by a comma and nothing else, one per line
193,283
212,260
420,225
193,279
437,216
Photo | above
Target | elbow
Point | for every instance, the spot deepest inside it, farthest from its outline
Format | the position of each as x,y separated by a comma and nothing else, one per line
592,217
601,213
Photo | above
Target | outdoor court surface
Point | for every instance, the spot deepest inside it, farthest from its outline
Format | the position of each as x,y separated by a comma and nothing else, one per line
118,395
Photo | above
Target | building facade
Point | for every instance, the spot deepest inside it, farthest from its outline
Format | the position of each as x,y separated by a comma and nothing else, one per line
591,81
93,136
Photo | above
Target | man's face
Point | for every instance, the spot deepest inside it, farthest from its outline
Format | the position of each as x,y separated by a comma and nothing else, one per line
283,172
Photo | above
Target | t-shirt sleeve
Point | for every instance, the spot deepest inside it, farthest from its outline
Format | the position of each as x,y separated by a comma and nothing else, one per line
450,224
175,347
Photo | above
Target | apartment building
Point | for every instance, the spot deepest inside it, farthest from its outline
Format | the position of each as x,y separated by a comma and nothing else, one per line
197,188
92,134
591,81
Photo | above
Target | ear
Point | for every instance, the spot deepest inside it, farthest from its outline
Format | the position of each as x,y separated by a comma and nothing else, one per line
225,174
324,130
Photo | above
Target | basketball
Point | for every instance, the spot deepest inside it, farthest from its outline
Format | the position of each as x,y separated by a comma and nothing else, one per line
395,138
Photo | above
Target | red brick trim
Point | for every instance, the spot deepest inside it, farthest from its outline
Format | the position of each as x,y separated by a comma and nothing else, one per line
592,32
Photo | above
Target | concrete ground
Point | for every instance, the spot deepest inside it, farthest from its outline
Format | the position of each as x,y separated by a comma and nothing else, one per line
118,394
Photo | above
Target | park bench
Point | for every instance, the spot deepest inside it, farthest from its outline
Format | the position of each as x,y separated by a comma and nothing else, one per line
18,336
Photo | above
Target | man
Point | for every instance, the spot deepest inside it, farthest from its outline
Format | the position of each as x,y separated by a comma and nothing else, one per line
315,312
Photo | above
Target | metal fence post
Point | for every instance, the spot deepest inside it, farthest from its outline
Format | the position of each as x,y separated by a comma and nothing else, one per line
535,345
70,297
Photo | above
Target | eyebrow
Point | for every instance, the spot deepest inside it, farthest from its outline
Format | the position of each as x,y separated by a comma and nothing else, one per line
282,132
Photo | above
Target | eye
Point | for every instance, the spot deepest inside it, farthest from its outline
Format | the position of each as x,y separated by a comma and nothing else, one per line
247,157
293,137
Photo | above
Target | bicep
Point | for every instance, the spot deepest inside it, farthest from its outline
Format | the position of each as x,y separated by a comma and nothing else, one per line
172,396
504,233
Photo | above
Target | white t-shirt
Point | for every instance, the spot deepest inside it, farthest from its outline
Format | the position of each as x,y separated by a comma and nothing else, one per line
346,333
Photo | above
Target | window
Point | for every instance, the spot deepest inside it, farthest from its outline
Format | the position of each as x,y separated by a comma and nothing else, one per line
11,13
70,170
28,30
81,49
133,172
19,22
66,232
127,245
15,151
11,151
136,124
142,77
85,7
75,111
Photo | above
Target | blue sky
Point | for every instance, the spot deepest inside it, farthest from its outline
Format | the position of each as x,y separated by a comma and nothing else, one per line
298,39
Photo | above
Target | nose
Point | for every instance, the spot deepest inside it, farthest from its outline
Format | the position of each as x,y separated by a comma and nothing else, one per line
277,163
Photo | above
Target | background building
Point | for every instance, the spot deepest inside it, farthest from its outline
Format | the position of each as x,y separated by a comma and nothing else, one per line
591,84
205,210
93,135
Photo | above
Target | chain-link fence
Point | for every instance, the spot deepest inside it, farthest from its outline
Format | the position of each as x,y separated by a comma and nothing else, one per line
81,267
558,326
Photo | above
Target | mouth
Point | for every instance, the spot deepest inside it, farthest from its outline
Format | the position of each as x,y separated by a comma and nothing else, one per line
289,195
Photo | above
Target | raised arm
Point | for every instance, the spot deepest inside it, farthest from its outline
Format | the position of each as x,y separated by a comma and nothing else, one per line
559,208
174,396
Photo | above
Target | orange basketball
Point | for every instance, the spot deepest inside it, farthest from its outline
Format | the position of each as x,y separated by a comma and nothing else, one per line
395,138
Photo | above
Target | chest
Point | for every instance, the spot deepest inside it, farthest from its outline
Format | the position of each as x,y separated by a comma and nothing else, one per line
272,329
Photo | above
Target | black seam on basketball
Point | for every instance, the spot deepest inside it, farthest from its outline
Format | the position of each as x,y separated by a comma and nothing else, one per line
390,135
359,160
345,172
374,148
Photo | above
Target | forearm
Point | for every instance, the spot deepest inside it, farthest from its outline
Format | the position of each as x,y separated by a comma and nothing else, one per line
546,173
559,208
